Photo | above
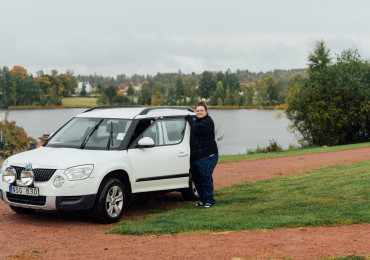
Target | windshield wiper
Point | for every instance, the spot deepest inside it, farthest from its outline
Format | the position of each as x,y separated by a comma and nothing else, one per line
82,146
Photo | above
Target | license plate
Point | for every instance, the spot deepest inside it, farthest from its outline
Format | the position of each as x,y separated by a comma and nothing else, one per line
24,190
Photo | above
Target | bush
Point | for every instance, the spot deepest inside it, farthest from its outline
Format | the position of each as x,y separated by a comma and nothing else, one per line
14,139
273,147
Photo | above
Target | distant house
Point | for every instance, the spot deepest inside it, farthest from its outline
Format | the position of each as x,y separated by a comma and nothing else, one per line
124,87
81,84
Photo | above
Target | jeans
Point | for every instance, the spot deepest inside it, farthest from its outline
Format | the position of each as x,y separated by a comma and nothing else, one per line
202,170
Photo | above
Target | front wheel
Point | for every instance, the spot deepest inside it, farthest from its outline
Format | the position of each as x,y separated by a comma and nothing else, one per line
111,201
190,193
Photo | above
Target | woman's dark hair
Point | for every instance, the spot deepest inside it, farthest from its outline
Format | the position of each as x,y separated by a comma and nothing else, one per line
202,104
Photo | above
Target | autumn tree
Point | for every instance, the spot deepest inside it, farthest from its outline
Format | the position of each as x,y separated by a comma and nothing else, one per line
14,138
158,99
19,71
65,83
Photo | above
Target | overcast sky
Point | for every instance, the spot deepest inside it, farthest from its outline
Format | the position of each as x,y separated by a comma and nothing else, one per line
111,37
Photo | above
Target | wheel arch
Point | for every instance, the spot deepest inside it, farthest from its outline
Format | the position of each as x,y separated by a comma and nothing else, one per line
123,177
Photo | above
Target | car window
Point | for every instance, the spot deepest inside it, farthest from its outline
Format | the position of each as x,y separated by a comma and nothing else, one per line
166,131
91,133
173,130
155,132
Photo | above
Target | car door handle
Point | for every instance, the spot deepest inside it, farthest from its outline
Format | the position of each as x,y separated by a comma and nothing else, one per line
182,154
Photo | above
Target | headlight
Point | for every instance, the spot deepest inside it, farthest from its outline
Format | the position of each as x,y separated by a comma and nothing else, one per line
27,177
10,175
79,172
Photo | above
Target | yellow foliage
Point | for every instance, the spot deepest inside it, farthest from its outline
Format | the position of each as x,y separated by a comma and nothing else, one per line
19,71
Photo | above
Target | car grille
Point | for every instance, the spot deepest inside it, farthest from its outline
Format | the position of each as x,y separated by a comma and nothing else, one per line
41,175
24,199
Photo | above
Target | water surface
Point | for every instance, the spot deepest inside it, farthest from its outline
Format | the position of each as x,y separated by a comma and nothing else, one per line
241,129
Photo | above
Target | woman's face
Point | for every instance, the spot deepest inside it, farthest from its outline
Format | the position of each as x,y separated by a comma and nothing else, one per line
200,112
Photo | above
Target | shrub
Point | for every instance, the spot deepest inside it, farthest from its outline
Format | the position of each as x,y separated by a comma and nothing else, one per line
14,138
274,146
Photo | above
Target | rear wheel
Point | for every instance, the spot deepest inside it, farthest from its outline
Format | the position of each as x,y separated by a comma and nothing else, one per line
190,193
111,201
22,210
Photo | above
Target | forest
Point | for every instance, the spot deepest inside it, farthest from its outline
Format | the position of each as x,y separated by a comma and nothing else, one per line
239,88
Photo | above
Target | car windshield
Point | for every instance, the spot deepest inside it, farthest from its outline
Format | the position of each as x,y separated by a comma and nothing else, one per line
91,133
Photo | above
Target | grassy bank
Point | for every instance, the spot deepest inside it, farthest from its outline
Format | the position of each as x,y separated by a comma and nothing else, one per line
323,197
79,102
245,157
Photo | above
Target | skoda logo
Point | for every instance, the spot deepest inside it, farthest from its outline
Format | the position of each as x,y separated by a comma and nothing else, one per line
29,166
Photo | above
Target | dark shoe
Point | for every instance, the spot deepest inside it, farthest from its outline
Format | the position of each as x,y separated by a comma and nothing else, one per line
208,205
199,204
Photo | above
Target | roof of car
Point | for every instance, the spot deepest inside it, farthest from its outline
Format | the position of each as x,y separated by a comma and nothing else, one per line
135,112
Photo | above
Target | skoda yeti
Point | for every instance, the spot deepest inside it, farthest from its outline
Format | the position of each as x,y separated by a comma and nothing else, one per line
99,159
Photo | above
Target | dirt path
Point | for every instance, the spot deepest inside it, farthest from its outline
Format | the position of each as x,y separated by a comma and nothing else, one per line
52,235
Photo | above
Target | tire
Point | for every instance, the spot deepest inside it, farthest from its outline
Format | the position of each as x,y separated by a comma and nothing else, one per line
111,201
20,210
190,193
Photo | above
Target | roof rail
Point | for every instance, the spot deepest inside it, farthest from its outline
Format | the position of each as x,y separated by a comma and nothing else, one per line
146,111
102,107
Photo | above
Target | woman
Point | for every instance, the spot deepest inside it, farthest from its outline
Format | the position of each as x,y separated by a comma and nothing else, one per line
203,154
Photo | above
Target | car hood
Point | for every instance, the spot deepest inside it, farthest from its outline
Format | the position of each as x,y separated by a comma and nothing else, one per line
60,158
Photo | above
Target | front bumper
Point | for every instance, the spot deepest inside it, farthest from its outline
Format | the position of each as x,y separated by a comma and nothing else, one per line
49,202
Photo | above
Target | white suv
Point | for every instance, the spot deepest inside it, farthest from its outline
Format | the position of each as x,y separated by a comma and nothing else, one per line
99,159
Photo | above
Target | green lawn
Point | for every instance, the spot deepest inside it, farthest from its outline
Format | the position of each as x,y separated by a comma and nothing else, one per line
245,157
79,102
323,197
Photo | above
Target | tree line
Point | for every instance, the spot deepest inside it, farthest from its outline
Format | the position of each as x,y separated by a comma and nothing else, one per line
218,88
18,88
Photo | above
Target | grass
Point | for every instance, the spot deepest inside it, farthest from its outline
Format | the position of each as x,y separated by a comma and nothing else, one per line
323,197
349,257
79,102
291,152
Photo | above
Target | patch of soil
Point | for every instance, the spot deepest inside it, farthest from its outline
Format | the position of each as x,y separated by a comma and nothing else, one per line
68,235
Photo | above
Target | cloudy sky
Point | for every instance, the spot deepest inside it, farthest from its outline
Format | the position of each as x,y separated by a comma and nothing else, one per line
111,37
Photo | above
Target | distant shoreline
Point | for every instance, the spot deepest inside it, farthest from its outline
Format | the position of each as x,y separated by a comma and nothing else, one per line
89,106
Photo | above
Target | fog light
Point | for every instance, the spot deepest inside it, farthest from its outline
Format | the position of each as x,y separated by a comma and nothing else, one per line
10,175
58,181
27,177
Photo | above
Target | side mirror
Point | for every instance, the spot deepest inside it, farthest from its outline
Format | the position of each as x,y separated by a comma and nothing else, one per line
146,142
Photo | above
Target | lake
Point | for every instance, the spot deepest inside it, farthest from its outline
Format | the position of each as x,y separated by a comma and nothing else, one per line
241,129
